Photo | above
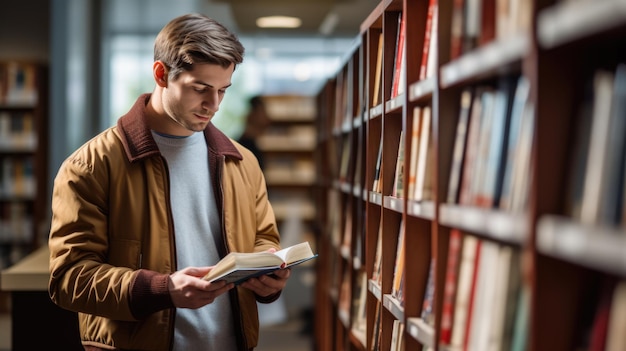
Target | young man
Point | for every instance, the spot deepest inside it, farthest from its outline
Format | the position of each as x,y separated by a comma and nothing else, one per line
140,211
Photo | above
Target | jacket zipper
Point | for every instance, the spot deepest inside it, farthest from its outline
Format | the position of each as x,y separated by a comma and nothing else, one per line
234,296
166,181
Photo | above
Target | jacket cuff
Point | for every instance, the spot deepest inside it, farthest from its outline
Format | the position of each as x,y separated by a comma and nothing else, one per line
149,293
269,298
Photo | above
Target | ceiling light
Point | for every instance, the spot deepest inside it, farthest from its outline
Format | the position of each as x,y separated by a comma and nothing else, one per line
278,22
330,22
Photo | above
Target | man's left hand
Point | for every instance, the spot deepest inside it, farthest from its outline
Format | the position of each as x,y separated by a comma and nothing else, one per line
267,285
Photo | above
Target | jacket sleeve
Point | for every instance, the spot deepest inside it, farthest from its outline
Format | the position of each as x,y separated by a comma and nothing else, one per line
81,277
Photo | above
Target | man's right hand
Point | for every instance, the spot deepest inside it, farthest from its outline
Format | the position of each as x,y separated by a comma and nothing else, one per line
189,290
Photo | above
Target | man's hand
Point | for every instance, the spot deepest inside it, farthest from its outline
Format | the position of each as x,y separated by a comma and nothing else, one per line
189,290
267,285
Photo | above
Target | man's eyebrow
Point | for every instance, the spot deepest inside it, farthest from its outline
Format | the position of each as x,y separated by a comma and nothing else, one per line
211,86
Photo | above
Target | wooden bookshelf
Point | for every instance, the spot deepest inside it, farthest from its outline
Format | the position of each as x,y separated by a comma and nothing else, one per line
23,160
23,167
526,242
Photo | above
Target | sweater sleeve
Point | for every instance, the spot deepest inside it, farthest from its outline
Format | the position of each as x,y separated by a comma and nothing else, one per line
149,293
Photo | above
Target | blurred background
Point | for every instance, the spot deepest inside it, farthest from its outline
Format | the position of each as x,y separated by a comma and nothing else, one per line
98,56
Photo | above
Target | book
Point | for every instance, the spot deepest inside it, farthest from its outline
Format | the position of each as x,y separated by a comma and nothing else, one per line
398,180
399,272
237,267
450,286
429,31
467,265
414,150
421,173
616,338
378,74
397,68
597,154
428,312
459,146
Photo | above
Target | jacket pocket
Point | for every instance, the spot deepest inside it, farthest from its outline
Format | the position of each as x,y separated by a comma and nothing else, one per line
125,253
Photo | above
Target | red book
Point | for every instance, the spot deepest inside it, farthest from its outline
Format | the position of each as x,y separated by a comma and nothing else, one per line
450,286
427,37
399,53
472,298
488,22
600,324
456,31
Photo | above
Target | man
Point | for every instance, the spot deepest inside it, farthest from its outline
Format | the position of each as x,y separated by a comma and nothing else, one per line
257,122
141,210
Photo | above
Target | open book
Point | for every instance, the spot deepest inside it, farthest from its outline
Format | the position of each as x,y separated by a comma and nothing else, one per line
237,267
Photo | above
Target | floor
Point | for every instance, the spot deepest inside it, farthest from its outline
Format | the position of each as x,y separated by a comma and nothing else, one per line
292,335
5,332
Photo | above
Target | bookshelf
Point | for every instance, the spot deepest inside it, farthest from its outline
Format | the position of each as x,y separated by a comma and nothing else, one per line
508,229
287,146
23,158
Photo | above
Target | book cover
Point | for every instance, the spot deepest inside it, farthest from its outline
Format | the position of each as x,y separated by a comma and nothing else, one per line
427,314
469,256
399,272
597,154
376,186
422,158
237,267
415,137
376,99
450,285
613,173
460,142
398,180
397,67
429,31
457,26
514,148
471,150
616,338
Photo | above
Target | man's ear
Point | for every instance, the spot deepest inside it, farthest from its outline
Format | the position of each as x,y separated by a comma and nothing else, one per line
159,71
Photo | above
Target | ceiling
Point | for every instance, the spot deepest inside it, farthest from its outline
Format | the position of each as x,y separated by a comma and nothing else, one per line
319,17
295,60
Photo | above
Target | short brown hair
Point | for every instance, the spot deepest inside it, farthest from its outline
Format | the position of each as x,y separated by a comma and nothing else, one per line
196,38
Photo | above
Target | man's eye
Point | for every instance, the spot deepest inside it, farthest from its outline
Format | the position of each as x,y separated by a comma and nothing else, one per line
200,90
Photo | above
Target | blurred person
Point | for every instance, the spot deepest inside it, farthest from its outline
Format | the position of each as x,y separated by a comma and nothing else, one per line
142,209
257,122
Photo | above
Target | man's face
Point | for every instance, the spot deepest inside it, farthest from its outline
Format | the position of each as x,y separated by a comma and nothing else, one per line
194,97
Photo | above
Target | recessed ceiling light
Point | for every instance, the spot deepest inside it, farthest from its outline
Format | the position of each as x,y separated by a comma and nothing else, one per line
278,22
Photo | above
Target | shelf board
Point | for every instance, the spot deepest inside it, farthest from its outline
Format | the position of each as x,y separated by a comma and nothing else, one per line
394,203
376,198
395,103
496,224
485,60
421,209
422,89
393,305
375,289
421,331
597,247
572,20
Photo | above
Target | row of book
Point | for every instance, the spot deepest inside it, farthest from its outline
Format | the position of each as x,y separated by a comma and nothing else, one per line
16,224
18,83
17,177
485,303
596,193
477,22
491,162
17,131
418,178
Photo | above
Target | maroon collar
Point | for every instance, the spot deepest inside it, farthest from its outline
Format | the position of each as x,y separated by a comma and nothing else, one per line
139,143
